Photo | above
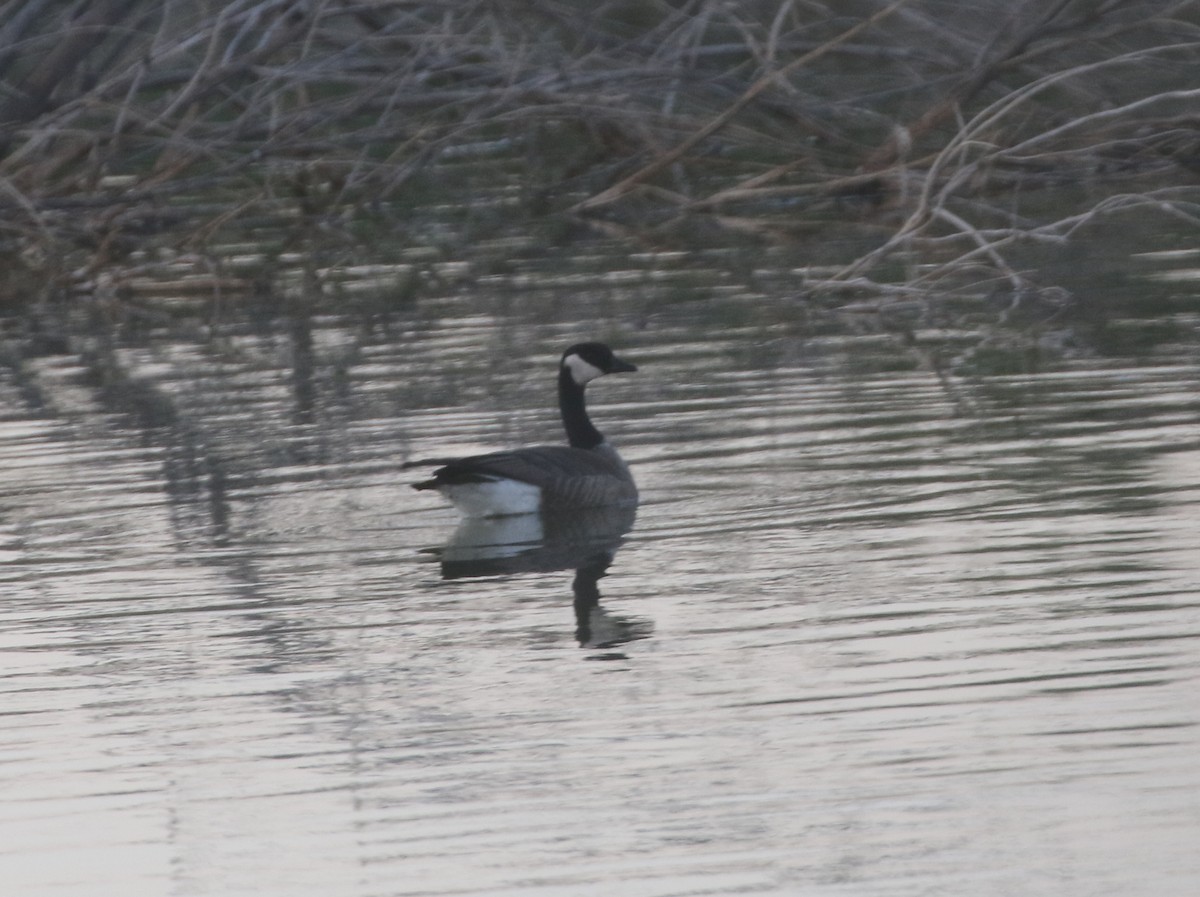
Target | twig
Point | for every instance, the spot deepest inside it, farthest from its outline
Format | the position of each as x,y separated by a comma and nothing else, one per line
674,155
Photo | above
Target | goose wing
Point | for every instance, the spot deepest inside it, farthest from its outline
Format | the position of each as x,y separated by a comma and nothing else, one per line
538,465
566,475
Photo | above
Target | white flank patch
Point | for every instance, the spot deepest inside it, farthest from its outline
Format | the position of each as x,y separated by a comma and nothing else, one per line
581,371
496,498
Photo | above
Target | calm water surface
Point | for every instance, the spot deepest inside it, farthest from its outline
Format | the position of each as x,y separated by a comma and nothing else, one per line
871,633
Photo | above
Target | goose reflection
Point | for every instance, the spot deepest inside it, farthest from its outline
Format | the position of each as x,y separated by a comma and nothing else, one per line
585,541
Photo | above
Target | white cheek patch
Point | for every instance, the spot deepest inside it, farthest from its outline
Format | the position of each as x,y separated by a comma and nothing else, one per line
581,371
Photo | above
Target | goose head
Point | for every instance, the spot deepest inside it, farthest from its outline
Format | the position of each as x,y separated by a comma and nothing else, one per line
584,362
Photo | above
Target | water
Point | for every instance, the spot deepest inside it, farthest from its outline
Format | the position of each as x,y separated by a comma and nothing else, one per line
872,633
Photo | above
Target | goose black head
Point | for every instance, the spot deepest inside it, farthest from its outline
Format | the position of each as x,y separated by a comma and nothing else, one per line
587,361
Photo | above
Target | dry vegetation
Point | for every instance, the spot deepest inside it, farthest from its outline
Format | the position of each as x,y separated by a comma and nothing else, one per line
936,122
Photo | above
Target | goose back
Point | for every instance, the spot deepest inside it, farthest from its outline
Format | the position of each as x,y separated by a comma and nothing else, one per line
565,476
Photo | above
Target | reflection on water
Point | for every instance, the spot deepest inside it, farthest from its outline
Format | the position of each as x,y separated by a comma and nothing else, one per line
867,636
585,541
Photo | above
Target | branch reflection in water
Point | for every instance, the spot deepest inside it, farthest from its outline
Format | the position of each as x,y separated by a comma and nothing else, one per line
585,540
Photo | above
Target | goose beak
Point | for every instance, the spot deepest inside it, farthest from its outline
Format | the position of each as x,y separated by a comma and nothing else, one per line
620,366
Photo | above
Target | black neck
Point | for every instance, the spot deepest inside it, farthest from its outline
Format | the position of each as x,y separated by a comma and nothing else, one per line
580,432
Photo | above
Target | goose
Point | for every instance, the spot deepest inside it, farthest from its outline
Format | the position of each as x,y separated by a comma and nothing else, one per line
586,473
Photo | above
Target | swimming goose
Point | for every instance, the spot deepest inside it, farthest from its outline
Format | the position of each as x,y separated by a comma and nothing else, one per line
586,473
